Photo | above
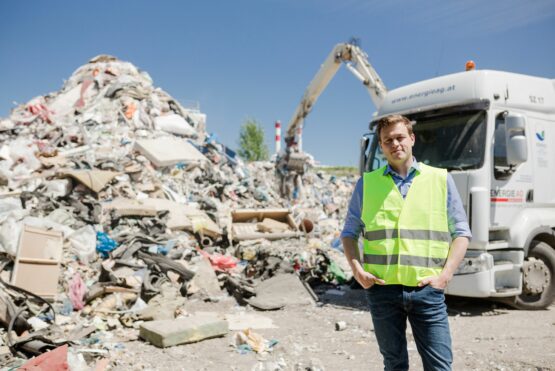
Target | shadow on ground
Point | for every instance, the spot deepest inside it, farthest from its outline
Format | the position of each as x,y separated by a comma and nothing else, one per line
353,297
344,296
471,307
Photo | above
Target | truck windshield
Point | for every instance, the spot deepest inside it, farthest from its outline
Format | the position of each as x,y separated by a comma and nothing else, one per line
454,142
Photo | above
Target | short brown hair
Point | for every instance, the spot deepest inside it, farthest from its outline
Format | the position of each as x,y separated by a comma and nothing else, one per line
391,120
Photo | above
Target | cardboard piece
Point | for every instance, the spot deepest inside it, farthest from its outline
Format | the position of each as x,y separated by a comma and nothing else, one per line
182,217
185,217
95,180
37,264
168,151
245,224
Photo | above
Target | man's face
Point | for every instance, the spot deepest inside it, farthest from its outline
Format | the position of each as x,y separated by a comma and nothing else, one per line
396,143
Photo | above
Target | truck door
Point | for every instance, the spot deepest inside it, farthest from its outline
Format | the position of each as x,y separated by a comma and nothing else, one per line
542,157
511,186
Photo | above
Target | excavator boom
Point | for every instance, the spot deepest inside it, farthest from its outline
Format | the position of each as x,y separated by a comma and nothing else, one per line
357,62
292,164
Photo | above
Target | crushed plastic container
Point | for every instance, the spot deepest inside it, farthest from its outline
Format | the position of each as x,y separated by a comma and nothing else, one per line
104,244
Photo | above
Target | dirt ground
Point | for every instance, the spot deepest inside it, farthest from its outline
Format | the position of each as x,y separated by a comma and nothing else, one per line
486,336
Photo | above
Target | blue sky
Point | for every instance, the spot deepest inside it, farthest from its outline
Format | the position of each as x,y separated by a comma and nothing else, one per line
254,58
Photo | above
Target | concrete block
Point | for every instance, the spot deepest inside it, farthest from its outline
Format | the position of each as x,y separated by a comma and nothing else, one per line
278,291
167,333
205,280
168,151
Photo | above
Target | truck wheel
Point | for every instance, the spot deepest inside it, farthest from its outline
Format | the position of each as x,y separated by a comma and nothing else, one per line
538,278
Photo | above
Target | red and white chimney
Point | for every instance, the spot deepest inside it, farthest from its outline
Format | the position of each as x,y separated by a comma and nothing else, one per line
278,136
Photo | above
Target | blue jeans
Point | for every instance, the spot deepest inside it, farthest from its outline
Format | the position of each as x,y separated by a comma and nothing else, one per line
391,305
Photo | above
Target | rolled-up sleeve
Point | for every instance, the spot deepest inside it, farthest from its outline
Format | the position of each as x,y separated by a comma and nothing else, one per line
458,222
353,223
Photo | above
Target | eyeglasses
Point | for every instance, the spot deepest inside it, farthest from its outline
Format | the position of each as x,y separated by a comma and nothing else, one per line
394,141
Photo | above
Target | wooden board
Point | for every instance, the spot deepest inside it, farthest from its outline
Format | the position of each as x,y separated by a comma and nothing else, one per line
37,264
244,224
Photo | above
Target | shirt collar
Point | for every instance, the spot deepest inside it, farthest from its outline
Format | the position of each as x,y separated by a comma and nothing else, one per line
414,167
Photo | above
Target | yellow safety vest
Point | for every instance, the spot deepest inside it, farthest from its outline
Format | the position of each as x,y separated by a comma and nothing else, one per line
405,240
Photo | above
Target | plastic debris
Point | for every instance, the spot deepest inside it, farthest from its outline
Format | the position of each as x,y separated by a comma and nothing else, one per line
144,200
248,340
77,291
340,325
104,244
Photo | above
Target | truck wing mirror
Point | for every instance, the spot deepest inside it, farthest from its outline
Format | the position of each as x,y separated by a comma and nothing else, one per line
515,135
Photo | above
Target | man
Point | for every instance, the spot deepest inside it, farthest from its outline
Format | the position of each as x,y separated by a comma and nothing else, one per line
408,212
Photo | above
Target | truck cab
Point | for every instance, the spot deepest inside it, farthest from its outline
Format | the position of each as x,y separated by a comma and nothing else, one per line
495,133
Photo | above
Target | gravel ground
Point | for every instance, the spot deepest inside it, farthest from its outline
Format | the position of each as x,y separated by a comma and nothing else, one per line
486,336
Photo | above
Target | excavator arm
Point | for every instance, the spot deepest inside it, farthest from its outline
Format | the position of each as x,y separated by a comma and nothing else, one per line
357,62
292,164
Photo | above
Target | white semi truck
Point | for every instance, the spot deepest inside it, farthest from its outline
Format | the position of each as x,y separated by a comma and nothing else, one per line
495,133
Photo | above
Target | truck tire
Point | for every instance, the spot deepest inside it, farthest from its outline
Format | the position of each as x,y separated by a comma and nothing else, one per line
539,292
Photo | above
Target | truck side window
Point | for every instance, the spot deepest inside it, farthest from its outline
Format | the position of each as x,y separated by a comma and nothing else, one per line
378,159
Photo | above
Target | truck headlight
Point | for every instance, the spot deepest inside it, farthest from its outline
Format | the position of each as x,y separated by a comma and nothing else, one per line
474,264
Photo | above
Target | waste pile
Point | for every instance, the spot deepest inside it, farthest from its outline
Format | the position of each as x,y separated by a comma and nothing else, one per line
117,206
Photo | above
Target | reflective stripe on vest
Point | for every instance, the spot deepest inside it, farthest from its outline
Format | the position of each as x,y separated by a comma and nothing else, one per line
407,233
405,240
419,261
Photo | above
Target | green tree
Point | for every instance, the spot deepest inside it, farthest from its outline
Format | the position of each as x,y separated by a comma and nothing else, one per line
251,141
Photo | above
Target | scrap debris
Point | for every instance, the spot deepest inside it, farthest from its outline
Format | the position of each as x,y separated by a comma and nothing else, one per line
117,206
